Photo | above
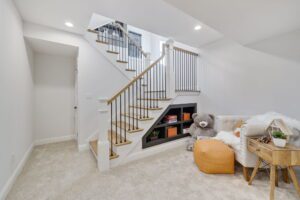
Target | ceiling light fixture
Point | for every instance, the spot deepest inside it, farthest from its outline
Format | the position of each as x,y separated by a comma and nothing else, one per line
69,24
197,28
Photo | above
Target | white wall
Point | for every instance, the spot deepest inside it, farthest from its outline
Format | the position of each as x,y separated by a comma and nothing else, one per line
239,80
16,86
97,77
54,82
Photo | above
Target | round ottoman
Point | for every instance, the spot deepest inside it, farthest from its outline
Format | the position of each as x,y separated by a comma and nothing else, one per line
213,157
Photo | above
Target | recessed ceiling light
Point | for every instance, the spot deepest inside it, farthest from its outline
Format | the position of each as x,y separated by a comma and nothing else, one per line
198,27
69,24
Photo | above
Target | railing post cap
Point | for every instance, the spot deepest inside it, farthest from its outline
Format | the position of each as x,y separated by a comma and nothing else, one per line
170,42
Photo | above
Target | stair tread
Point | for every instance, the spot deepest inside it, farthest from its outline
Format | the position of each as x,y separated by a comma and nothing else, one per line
141,107
121,124
94,148
117,141
113,52
92,31
122,61
140,118
103,42
130,70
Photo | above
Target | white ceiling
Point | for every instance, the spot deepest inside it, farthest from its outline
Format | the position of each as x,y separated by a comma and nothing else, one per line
245,21
52,48
154,16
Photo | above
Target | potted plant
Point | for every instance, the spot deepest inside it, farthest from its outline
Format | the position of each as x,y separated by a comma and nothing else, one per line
154,135
279,138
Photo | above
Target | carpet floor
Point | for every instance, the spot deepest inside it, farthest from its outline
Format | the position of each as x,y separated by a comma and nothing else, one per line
58,171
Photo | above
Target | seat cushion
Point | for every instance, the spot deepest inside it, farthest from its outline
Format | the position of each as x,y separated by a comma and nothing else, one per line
213,157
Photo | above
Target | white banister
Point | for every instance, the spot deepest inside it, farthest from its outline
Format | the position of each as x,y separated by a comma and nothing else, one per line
103,143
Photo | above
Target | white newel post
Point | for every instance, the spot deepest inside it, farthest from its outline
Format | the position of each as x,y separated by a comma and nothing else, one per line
147,60
170,69
103,143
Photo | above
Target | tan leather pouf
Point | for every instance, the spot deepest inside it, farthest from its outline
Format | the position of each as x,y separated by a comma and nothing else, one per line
213,157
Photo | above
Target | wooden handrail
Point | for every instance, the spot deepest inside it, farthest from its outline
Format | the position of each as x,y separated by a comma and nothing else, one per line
184,50
136,78
124,31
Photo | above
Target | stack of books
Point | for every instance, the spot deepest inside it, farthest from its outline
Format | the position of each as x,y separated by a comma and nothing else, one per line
170,119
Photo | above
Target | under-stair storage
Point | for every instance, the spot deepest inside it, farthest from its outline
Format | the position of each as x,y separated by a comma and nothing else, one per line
173,124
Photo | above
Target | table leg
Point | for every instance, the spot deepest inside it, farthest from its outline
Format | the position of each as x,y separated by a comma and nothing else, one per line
276,176
272,181
285,175
294,179
255,171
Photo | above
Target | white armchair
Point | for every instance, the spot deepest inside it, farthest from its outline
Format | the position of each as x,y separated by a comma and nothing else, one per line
242,155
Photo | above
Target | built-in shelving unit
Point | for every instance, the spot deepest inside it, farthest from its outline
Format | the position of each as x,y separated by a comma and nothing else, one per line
160,127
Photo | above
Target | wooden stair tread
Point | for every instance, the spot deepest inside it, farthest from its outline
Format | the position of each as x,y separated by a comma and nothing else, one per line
145,108
122,61
122,125
130,70
117,141
113,52
92,31
94,148
137,117
155,99
102,42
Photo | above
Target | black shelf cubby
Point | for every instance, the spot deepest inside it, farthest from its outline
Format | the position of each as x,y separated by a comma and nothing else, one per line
162,127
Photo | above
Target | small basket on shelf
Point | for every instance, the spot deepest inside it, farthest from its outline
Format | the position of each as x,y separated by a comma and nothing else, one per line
171,131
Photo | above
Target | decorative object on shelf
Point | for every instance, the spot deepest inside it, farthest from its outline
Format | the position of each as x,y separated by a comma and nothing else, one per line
171,131
203,126
186,116
265,139
154,135
279,138
170,119
186,130
279,132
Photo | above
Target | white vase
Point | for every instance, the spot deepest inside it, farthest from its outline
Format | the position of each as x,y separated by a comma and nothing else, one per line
279,142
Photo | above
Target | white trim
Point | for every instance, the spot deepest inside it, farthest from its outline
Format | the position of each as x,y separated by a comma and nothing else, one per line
7,187
54,140
83,147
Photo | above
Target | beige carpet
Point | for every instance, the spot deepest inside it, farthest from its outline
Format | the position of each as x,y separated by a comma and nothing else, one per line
58,171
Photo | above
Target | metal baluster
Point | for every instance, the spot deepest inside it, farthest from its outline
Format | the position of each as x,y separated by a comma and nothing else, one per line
111,128
137,111
116,117
147,94
121,123
133,107
125,132
140,98
129,119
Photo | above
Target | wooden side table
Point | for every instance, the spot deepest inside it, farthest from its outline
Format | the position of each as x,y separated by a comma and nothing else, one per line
275,156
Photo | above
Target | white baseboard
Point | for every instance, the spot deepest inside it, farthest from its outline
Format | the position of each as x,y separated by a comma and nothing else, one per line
7,187
54,139
83,147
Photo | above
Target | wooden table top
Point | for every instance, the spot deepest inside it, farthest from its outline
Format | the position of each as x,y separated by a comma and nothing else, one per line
272,147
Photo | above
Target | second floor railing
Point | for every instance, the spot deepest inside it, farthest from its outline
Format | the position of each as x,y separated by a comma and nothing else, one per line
120,43
186,69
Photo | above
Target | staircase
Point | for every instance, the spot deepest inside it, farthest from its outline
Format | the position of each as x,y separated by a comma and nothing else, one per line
130,113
